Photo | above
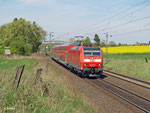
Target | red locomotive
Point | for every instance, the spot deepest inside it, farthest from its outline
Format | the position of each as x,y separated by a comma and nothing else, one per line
82,59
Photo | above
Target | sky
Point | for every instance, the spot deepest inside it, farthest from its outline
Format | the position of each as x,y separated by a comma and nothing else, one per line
125,20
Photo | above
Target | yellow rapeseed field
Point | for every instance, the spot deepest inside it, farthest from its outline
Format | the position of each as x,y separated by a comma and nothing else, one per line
127,49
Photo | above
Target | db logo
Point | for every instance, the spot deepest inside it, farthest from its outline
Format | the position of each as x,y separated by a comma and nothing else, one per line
92,59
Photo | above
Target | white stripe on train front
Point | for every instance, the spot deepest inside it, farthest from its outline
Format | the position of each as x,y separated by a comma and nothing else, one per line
87,60
98,60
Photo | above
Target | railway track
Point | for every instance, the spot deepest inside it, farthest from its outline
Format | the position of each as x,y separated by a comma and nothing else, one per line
136,100
132,80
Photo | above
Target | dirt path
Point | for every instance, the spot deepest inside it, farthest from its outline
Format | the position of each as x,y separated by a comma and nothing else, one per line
101,100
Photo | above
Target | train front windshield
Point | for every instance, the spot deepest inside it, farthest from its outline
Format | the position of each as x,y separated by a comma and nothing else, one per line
91,51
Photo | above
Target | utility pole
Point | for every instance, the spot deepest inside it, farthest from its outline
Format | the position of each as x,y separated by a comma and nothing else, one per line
50,36
107,44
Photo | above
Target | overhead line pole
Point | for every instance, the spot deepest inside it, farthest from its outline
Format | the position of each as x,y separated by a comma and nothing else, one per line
107,45
50,36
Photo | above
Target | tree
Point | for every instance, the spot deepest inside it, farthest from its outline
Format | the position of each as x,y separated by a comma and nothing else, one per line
86,41
15,19
149,42
124,44
112,43
103,44
22,32
72,40
97,40
119,44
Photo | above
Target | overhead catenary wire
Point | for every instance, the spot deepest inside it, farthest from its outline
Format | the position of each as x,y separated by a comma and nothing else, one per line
130,28
91,34
58,37
119,13
127,15
126,23
127,33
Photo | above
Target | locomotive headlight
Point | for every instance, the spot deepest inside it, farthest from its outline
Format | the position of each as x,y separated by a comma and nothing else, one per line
85,64
98,64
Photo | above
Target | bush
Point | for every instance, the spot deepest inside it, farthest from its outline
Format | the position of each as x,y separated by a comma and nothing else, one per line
20,47
1,50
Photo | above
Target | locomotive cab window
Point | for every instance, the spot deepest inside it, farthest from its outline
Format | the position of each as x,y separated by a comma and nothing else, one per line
91,51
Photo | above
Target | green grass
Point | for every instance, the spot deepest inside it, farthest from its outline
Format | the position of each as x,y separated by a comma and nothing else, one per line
131,64
129,56
30,98
10,65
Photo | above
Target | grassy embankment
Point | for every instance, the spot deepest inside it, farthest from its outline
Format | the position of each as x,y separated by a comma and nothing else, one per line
131,64
30,98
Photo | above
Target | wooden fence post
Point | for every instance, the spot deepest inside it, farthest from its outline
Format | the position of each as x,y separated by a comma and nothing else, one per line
45,90
146,60
38,76
47,66
18,76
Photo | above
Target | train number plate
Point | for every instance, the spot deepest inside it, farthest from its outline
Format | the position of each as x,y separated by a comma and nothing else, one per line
92,65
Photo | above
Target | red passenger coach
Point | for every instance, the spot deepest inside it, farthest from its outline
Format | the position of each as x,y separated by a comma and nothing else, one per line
60,53
84,60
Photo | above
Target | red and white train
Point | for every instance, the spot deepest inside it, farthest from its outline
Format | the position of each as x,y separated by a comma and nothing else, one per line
82,59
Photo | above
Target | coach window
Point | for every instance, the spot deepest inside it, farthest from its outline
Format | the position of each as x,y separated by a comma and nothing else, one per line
76,48
73,48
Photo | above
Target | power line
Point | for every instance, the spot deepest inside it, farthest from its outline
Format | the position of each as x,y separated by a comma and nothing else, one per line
130,28
127,33
116,14
129,14
125,23
123,30
119,13
62,35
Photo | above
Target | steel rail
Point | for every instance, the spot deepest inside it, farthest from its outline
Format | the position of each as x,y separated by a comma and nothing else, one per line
112,89
142,81
128,91
127,80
